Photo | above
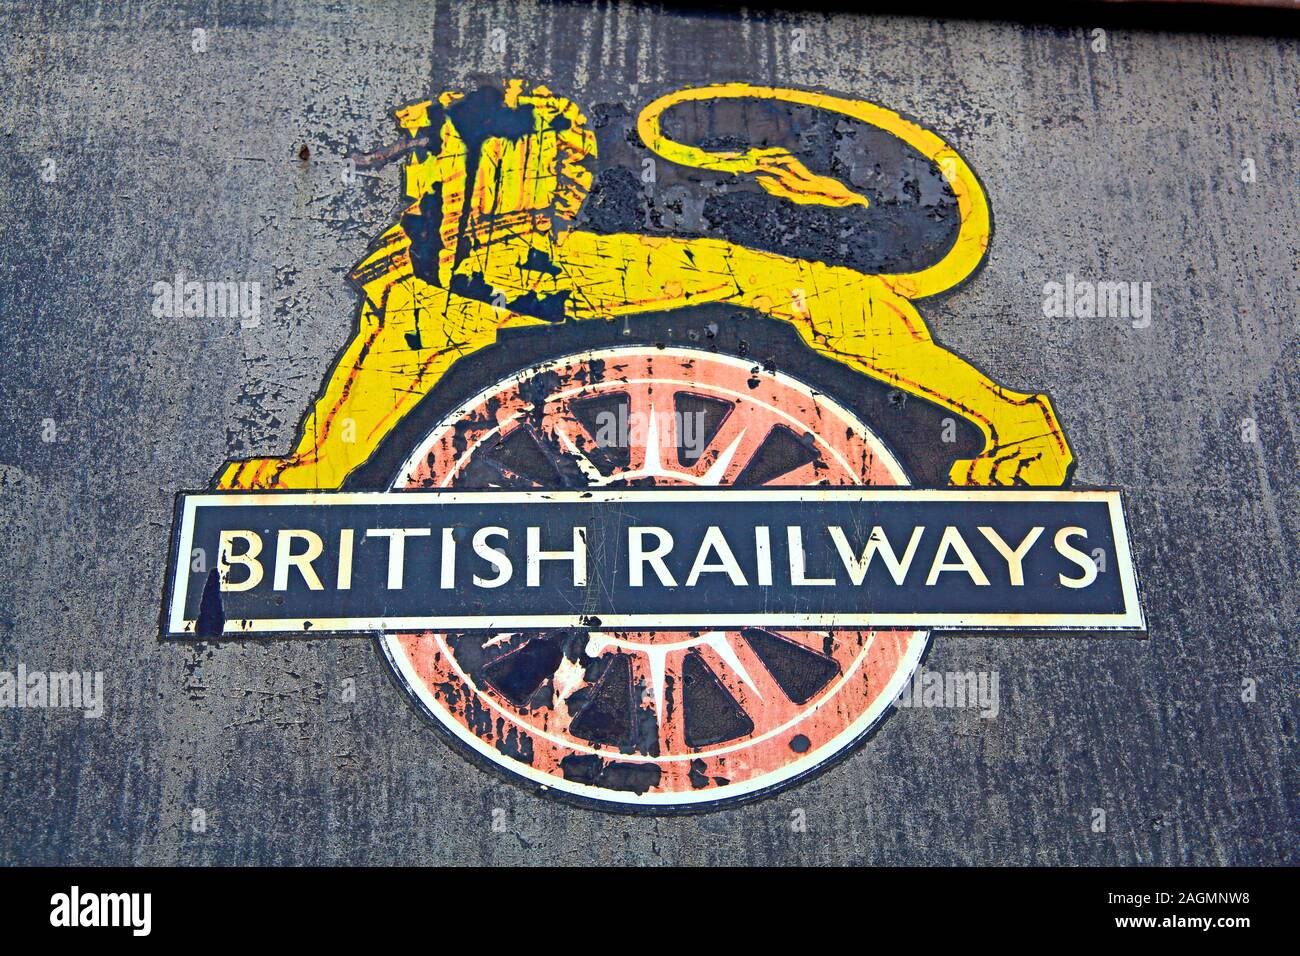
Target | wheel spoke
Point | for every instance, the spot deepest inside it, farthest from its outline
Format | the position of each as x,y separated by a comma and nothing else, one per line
579,457
718,470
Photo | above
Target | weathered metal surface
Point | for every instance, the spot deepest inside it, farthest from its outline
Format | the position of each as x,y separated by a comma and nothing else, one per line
1121,162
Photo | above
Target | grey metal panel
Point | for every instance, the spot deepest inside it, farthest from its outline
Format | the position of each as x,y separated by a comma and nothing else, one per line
1123,164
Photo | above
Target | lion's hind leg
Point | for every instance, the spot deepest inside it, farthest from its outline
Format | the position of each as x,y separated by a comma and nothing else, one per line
869,327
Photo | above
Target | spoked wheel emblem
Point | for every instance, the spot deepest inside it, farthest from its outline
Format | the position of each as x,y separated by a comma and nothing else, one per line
653,719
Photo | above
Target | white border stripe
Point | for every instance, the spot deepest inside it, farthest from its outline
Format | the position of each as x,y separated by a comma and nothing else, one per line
841,492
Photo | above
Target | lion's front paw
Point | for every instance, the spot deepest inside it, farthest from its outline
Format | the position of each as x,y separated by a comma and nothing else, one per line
251,474
1035,462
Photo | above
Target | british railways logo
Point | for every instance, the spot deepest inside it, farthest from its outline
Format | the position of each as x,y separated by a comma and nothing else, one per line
651,498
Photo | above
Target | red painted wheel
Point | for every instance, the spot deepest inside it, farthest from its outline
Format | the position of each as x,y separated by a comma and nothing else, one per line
654,719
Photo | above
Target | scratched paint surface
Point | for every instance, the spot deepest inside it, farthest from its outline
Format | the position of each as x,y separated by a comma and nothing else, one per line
1094,165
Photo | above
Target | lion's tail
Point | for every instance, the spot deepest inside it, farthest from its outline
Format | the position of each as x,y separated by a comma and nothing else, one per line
781,174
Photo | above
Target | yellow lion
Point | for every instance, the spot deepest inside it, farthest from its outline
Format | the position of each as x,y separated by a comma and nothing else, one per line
496,203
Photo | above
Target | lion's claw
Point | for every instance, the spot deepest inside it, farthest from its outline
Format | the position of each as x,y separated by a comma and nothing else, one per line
1036,462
